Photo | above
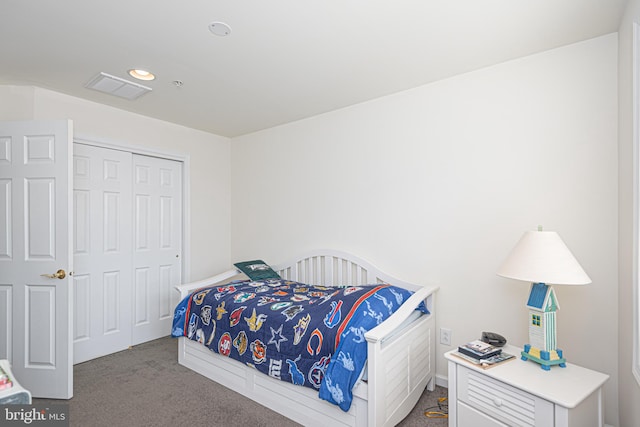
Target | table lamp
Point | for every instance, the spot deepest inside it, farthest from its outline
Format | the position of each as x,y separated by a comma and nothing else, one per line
541,257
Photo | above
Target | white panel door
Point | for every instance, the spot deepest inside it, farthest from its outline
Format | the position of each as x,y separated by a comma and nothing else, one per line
35,239
102,194
157,234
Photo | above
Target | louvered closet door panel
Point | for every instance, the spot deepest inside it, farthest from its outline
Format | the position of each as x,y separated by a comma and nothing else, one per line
102,251
157,245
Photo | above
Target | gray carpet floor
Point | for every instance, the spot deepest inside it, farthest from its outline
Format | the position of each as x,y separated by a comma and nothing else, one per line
145,386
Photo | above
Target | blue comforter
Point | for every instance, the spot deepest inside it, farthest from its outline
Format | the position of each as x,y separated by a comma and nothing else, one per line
311,336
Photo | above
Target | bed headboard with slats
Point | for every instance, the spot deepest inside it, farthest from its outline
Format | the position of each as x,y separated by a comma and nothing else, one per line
330,268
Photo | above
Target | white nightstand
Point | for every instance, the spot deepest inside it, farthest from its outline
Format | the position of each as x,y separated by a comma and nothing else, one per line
520,393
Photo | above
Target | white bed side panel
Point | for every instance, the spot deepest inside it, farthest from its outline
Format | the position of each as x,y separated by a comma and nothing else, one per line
298,403
403,367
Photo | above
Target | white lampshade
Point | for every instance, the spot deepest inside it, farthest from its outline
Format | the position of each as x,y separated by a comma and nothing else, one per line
542,257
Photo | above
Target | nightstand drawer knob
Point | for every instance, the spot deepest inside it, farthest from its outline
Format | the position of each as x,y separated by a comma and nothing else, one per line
497,402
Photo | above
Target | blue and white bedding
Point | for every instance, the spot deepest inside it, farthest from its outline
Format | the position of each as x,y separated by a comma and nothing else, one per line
311,336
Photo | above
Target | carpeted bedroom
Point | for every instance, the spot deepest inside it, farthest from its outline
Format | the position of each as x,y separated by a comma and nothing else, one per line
145,386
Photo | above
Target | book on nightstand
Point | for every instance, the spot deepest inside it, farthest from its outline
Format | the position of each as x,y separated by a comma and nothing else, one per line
5,381
479,350
488,362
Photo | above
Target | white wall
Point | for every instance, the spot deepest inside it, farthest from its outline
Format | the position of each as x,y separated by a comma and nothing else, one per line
629,391
437,184
209,158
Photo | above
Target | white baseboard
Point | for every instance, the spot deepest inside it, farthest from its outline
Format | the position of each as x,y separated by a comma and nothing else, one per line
442,381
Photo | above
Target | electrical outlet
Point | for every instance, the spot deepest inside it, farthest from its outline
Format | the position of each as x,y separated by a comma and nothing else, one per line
445,336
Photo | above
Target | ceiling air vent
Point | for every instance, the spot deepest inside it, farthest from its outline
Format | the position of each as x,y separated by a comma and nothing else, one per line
116,86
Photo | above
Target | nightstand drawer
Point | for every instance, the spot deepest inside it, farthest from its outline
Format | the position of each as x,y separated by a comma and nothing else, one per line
467,416
500,400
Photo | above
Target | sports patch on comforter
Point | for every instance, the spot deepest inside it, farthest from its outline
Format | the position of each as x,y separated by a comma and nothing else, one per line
308,335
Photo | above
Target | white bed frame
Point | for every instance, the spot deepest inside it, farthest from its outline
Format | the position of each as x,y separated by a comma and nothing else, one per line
400,358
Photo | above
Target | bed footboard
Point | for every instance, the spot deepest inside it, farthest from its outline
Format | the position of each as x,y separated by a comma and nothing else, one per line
400,367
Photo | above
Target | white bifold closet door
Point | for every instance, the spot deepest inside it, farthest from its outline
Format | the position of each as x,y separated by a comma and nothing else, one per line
157,245
127,248
102,251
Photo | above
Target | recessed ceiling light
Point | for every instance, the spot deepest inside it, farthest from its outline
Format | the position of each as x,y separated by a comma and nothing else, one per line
141,74
220,29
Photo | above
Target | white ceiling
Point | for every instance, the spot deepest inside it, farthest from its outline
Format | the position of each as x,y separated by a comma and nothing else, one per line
284,59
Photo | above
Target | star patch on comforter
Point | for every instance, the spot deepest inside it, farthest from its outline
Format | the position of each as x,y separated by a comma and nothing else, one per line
307,335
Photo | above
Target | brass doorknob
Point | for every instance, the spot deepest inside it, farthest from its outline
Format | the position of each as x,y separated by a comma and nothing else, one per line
60,274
